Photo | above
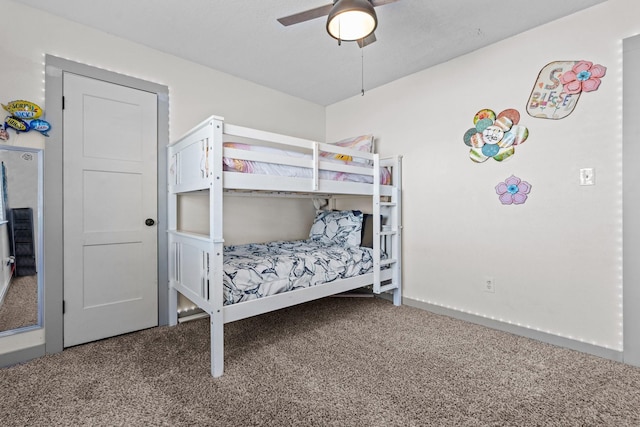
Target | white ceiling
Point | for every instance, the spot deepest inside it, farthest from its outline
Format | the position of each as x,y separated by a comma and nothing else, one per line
243,38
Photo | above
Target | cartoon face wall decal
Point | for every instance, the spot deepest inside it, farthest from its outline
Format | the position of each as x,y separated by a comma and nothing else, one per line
495,136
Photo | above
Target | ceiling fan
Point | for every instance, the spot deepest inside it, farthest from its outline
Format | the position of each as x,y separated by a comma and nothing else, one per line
348,20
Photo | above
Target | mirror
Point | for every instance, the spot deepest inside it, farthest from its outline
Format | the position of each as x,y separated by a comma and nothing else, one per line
21,278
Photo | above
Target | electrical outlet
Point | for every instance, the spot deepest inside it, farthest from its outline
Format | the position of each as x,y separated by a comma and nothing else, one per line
587,176
489,285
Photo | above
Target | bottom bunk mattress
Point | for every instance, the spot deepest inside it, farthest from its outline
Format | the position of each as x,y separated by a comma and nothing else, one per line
257,270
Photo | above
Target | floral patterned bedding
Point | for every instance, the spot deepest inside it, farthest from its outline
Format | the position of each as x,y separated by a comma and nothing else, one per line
256,270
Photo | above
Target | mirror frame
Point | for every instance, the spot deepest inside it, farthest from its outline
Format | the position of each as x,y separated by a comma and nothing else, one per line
39,230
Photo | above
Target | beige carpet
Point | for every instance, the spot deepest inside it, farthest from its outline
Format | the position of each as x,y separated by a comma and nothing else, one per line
20,306
333,362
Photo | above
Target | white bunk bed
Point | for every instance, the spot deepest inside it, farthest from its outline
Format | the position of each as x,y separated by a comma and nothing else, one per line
196,261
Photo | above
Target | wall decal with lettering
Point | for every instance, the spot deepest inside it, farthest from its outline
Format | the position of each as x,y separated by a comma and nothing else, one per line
495,136
559,86
25,116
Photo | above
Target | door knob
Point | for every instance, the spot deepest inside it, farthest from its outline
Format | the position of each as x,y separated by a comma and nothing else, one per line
149,222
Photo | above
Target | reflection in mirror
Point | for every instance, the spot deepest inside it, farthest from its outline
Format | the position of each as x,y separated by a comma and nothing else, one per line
21,287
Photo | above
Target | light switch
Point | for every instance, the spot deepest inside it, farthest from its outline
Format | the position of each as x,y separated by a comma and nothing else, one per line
587,176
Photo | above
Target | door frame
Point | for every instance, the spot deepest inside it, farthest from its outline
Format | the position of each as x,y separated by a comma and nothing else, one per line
631,202
53,190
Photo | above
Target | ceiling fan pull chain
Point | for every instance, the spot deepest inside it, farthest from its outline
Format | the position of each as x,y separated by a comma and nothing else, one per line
362,68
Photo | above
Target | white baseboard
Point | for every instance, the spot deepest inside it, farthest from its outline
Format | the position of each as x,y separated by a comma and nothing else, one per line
519,330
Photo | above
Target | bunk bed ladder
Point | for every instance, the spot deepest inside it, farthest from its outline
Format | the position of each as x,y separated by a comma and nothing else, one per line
387,237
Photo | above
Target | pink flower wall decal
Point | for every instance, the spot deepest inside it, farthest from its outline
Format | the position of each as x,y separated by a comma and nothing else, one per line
583,77
513,191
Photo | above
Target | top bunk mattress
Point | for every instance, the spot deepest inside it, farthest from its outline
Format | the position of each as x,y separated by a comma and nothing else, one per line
276,169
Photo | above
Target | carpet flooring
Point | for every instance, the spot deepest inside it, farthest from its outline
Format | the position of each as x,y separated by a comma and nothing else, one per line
332,362
20,305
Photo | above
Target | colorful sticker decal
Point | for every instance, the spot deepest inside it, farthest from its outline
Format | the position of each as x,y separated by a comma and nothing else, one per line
559,86
24,118
495,135
16,124
583,77
40,125
513,191
23,109
4,135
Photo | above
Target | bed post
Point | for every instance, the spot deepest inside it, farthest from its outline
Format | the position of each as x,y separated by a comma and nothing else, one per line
173,306
376,224
215,257
172,205
397,226
391,232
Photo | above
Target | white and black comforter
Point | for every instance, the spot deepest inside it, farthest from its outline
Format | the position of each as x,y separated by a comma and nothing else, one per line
257,270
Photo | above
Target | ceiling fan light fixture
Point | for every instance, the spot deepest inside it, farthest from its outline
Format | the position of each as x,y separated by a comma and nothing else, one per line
351,20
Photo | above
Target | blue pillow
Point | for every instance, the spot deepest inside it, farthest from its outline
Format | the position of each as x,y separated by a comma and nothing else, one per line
339,227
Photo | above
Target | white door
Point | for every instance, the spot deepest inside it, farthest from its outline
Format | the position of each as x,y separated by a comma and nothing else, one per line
110,191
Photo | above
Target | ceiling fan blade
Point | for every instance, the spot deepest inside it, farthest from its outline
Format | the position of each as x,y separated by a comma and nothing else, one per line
307,15
377,3
317,12
367,40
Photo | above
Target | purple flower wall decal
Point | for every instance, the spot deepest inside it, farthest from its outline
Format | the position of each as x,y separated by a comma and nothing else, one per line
513,191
